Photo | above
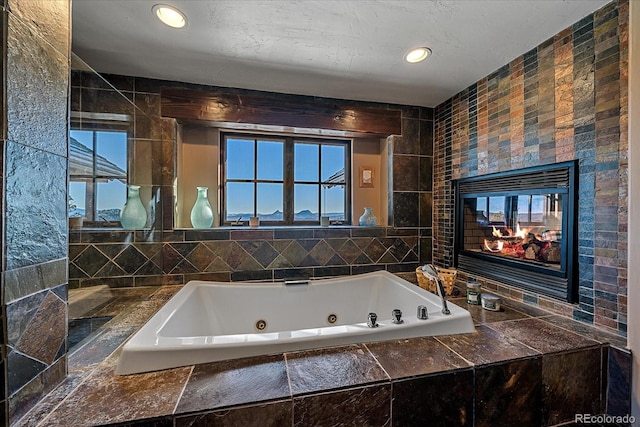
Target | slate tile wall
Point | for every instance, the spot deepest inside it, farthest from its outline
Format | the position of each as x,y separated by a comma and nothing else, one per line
563,100
162,254
36,63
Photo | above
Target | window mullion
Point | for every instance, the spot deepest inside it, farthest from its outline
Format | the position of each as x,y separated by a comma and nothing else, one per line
94,187
320,210
255,177
288,181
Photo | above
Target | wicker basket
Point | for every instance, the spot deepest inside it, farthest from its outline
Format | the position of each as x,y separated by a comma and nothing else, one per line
447,277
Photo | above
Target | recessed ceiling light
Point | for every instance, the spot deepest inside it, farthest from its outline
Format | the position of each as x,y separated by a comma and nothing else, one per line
170,15
417,54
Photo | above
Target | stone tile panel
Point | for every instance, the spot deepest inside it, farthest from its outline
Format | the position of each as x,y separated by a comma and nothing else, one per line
368,406
436,400
509,394
223,384
350,366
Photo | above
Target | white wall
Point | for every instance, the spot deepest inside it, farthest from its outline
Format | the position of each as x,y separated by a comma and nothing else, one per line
369,152
198,154
634,203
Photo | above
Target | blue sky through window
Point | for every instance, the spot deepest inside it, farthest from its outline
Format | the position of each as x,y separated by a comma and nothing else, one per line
240,155
110,149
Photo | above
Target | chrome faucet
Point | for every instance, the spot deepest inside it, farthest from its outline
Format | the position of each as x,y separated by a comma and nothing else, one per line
430,271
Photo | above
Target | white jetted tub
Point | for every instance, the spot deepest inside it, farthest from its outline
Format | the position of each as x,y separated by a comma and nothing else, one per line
211,321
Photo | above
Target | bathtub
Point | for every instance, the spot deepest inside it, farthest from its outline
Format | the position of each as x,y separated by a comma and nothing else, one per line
212,321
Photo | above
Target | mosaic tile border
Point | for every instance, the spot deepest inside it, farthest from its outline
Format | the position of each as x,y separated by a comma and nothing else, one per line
248,254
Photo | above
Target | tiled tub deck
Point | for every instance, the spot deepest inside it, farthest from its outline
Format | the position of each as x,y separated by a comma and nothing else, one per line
522,366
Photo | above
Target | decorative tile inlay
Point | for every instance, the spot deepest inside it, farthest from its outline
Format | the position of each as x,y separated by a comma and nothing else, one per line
21,369
130,260
20,313
91,260
51,316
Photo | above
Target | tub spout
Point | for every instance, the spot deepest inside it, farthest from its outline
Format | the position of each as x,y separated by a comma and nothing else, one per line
430,271
372,320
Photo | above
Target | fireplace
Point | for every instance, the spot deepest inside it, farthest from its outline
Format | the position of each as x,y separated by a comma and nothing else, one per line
519,228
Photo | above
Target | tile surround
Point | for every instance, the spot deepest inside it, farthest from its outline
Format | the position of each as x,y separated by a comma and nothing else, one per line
177,254
34,127
509,394
563,100
264,254
602,276
401,382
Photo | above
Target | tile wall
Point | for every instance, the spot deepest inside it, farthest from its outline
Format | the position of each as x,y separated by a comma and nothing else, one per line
565,99
161,254
35,48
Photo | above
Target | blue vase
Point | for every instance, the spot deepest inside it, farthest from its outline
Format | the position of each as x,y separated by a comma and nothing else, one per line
133,215
368,219
202,214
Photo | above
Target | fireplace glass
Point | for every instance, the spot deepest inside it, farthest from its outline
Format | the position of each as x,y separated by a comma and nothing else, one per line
527,227
519,228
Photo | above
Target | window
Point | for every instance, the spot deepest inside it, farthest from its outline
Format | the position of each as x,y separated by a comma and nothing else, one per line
285,180
97,174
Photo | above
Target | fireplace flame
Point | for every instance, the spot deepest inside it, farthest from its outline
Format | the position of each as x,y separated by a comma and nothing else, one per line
499,244
520,232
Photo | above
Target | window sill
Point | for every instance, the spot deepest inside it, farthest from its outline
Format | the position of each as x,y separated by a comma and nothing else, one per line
275,227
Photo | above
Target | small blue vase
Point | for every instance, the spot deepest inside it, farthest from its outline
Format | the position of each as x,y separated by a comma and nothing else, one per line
202,214
133,215
368,219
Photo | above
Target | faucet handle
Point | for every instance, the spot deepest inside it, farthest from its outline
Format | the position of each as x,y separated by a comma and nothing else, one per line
396,316
423,314
372,320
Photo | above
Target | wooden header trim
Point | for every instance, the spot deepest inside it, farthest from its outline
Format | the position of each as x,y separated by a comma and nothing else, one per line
284,110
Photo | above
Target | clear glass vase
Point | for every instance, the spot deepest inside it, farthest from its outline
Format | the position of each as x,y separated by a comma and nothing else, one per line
368,219
133,215
201,213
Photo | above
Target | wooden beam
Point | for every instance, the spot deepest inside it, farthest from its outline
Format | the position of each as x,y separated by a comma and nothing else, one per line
272,109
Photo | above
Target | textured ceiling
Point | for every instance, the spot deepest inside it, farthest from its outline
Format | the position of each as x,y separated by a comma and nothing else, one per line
350,49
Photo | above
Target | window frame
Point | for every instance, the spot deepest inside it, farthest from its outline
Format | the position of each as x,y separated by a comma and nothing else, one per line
91,193
289,142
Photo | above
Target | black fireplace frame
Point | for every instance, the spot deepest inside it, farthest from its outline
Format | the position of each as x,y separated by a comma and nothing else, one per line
561,178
